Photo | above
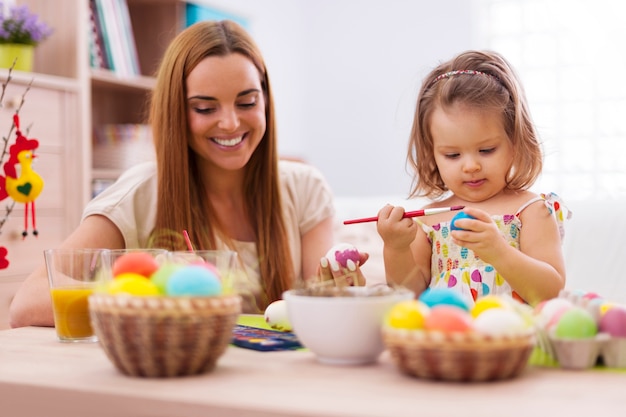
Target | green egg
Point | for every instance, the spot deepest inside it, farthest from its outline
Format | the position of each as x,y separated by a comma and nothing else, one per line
162,275
576,323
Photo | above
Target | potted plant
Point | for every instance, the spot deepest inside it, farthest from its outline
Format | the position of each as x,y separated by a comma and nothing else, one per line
20,31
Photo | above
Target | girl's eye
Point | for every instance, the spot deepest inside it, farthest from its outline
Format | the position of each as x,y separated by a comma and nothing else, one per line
452,155
489,150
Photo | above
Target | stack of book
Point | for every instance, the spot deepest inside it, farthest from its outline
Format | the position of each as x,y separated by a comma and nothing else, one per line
111,41
120,146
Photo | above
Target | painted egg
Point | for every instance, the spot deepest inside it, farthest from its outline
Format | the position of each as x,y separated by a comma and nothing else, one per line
549,308
129,283
409,314
576,323
449,319
276,316
613,322
141,263
486,303
458,216
342,254
193,281
500,322
162,275
437,296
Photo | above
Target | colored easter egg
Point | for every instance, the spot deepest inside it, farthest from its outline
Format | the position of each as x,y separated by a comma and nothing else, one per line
141,263
613,322
129,283
458,216
551,307
500,322
342,254
485,303
276,316
193,281
556,316
409,314
576,323
436,296
449,319
163,274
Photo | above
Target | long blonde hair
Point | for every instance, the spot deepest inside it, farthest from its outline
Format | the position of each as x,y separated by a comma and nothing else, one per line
481,79
182,202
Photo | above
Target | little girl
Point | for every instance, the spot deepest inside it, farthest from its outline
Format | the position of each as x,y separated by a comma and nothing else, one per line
473,144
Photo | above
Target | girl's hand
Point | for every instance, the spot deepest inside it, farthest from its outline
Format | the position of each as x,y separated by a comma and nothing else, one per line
397,232
351,275
479,234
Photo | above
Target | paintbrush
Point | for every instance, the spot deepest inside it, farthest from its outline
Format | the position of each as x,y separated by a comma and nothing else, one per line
408,214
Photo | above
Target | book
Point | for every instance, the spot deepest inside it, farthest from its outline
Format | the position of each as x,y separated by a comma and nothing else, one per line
118,39
97,55
128,37
105,38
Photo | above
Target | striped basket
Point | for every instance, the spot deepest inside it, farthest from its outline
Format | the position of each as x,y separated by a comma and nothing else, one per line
466,357
164,336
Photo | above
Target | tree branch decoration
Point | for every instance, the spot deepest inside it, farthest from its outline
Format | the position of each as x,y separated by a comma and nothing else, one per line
21,185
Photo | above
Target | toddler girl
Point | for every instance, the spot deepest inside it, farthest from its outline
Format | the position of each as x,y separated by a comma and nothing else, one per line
473,144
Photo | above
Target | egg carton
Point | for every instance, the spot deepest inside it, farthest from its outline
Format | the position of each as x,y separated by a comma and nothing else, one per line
579,353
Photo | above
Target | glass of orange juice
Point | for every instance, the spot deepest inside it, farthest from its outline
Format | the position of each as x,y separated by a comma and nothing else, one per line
73,274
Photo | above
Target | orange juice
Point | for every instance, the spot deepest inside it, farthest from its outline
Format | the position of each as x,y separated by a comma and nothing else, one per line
71,312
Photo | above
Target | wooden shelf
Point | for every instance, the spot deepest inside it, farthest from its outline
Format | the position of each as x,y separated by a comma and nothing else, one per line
108,79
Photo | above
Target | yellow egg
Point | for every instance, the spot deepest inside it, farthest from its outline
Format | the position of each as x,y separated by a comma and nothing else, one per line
485,303
132,284
409,314
604,307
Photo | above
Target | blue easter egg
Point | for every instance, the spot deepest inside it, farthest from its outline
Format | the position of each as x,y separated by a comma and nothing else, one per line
437,296
193,281
459,215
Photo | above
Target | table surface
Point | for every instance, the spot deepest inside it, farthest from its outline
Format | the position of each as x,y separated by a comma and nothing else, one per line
40,376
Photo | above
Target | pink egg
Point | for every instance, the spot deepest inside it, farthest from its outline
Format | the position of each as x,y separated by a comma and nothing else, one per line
449,319
613,322
590,296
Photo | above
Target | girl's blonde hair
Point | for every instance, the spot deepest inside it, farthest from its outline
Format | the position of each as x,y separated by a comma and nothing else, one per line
481,79
182,200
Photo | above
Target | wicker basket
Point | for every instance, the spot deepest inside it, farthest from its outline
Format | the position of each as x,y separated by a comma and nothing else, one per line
458,356
164,336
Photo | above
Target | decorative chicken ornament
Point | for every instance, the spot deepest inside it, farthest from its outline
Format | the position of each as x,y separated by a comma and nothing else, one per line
26,187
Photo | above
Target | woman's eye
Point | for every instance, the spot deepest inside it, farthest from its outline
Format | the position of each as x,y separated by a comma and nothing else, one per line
247,104
203,110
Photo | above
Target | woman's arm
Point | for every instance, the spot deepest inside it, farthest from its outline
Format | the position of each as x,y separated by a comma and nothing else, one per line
315,244
31,305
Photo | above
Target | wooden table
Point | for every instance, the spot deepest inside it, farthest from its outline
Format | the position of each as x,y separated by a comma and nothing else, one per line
41,377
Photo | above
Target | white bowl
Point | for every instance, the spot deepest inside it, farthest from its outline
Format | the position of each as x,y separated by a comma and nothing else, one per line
344,329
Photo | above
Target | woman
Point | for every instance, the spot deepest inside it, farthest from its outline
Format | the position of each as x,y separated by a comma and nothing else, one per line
217,175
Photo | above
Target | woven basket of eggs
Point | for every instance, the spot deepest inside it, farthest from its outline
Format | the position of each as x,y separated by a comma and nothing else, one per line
447,340
172,319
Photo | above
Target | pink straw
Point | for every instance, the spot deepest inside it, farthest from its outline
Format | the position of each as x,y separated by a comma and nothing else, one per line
189,245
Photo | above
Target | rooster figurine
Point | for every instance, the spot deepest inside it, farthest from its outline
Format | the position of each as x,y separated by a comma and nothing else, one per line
26,187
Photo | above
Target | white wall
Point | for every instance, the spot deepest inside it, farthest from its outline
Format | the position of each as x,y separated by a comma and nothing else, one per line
346,74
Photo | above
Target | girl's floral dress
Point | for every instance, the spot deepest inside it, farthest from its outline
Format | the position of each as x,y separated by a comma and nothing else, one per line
454,266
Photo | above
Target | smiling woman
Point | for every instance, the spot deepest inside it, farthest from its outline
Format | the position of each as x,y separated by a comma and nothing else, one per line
217,175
